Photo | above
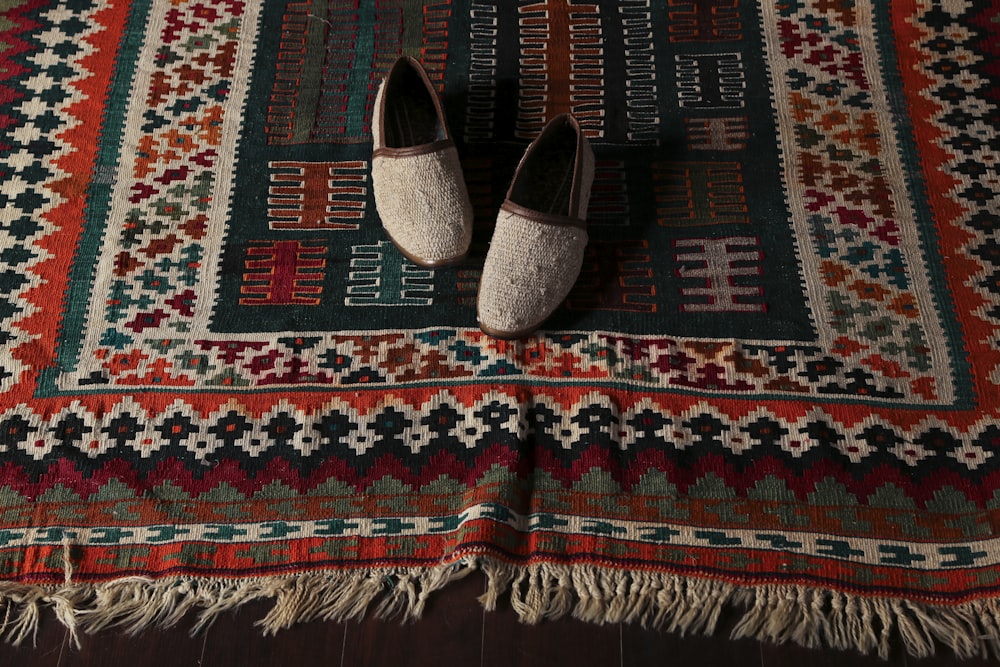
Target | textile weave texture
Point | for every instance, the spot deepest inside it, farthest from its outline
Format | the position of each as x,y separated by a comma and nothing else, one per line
774,387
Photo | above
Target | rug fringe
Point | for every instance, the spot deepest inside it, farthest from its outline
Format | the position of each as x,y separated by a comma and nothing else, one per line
776,614
772,613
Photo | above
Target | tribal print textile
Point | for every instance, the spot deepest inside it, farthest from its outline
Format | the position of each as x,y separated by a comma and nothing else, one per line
773,388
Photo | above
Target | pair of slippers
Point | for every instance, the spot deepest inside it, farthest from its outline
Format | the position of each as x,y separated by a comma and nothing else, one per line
538,244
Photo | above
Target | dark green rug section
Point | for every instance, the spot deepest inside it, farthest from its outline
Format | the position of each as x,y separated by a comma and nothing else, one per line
689,229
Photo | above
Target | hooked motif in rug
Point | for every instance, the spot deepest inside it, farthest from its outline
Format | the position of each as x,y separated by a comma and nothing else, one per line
774,386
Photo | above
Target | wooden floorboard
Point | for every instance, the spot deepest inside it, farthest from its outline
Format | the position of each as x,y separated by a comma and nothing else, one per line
563,641
642,647
455,631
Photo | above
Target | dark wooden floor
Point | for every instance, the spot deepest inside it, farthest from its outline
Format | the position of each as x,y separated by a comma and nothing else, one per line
455,631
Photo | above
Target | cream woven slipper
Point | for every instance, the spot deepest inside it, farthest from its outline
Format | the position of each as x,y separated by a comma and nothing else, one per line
541,233
420,193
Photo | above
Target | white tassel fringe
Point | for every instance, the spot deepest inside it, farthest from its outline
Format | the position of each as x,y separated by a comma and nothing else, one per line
772,613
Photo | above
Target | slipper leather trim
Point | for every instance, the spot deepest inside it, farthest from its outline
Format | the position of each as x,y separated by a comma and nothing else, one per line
542,218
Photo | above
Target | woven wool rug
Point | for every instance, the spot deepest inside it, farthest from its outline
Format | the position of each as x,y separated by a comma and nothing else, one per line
773,388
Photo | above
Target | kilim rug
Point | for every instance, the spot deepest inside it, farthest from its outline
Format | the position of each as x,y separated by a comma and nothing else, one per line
774,388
